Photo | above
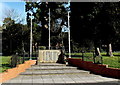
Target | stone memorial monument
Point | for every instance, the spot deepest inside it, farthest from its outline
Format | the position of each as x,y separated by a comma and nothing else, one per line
48,56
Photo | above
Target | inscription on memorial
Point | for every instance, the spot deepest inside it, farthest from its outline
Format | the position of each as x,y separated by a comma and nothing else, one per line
48,55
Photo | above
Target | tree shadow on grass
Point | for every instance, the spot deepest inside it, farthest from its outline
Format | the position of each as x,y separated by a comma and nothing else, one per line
108,55
6,65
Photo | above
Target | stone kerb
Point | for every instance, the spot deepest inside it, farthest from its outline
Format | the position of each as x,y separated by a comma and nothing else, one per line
13,72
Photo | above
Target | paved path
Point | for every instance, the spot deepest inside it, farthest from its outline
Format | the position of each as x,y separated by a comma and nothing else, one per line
59,74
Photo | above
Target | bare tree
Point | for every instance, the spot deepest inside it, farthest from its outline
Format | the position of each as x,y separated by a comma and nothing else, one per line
13,14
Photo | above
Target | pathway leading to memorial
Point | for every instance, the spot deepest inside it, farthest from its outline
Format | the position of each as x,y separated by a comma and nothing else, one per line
59,74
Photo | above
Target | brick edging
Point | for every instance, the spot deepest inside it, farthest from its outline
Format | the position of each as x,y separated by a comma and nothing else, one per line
95,68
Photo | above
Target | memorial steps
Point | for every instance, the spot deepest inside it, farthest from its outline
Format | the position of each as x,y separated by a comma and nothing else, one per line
58,74
52,69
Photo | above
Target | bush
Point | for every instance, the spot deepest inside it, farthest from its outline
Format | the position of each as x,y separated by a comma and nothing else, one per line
15,60
42,47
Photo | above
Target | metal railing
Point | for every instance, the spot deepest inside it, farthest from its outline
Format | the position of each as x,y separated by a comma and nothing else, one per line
87,56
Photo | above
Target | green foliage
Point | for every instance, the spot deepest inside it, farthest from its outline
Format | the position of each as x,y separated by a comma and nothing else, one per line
40,13
8,21
14,36
42,47
4,63
15,60
96,22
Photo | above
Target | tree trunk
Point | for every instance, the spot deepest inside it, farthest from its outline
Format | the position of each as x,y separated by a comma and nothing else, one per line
98,50
109,50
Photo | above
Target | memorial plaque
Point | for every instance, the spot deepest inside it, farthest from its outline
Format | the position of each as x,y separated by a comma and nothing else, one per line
48,55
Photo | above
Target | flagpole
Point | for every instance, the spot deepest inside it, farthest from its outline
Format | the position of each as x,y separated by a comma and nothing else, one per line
69,31
49,28
31,39
69,34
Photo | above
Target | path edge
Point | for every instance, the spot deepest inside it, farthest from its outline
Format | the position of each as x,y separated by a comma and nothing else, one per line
14,72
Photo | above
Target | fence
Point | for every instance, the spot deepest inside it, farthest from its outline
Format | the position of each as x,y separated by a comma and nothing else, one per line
87,56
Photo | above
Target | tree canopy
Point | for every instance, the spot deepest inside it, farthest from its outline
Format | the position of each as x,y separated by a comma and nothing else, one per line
91,24
40,12
96,22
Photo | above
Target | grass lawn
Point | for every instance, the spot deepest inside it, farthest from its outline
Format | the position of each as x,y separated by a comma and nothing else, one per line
4,63
113,62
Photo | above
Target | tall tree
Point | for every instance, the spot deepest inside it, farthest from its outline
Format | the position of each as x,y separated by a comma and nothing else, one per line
13,37
97,22
40,11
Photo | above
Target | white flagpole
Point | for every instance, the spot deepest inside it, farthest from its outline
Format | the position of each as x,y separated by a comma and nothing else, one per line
69,34
31,39
49,28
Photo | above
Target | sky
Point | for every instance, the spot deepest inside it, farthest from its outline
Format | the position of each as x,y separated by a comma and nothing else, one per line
18,6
